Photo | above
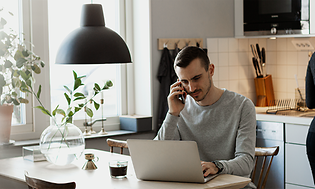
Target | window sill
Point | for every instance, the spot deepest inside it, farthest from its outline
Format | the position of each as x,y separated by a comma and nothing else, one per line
36,141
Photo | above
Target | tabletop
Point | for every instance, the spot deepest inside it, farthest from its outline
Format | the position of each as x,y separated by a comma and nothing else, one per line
100,178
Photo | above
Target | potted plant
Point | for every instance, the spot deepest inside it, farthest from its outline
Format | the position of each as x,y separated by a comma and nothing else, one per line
62,142
18,64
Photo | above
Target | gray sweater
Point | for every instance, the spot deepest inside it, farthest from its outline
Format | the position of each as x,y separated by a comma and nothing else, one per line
224,131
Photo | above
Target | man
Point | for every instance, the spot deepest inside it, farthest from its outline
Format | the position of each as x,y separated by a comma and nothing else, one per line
223,123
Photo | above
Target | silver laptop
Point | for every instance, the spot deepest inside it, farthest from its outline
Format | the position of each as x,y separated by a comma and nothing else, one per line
167,160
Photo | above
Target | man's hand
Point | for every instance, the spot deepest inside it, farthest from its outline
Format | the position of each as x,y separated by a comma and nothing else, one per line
174,104
208,168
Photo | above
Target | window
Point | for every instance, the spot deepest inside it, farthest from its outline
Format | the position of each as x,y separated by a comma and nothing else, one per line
13,14
61,23
46,23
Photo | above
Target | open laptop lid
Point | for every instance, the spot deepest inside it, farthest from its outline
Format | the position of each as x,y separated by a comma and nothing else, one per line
166,160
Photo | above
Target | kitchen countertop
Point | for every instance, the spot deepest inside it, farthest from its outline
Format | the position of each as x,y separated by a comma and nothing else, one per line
292,116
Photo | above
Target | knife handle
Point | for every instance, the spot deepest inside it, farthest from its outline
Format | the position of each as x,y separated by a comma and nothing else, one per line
263,55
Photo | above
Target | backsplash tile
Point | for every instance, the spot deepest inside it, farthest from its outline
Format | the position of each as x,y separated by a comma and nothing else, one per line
234,69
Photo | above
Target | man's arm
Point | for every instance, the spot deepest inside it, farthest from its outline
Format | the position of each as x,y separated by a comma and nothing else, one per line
310,83
169,129
243,162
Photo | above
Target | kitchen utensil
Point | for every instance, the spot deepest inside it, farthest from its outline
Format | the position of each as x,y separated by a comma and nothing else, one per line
263,59
258,68
258,51
254,63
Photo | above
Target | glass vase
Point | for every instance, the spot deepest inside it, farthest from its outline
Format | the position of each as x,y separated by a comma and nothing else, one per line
62,144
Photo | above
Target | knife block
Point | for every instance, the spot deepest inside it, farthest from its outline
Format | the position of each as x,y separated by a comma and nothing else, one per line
264,91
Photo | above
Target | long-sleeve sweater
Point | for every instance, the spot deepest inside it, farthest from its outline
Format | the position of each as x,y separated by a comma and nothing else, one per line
310,88
224,131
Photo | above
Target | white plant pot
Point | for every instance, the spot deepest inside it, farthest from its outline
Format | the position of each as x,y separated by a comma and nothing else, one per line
5,123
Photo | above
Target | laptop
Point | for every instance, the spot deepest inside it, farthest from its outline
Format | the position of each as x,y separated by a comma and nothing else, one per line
167,160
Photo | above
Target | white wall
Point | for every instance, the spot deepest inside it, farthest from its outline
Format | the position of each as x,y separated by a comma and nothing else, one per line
186,19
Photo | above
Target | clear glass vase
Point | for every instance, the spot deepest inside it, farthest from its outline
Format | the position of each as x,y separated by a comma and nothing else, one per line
62,144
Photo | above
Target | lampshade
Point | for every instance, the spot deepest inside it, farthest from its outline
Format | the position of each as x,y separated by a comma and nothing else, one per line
93,43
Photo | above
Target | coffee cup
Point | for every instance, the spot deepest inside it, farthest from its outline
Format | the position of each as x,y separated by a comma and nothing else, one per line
118,168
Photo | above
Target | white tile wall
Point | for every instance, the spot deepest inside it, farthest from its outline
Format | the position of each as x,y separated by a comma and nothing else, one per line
232,59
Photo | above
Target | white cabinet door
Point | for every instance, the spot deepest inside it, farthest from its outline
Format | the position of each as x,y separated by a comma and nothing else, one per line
296,133
297,168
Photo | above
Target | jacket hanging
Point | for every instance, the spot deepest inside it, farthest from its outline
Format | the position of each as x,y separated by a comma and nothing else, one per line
166,76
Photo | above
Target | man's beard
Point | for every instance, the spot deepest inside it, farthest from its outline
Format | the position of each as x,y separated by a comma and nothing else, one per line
197,90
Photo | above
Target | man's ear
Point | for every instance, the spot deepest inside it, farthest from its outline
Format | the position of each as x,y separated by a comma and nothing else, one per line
211,69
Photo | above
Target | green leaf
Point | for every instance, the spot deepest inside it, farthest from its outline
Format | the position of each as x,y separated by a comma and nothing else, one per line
70,114
89,112
25,53
69,120
43,110
75,75
81,105
15,102
24,75
8,64
78,94
39,91
20,62
36,69
29,83
2,81
109,83
55,110
61,112
67,88
68,98
76,109
23,100
77,83
42,64
79,98
96,105
16,82
96,86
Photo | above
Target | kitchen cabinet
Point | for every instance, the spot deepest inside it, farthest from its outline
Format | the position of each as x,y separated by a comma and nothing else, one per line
298,173
239,30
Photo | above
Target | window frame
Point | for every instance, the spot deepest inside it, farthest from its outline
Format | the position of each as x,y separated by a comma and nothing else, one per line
35,28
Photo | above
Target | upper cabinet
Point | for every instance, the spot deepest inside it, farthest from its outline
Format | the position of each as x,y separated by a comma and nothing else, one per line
274,18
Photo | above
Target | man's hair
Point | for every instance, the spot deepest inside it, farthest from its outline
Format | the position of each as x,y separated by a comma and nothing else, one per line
190,53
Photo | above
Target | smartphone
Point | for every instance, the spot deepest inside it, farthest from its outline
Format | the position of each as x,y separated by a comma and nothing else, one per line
182,97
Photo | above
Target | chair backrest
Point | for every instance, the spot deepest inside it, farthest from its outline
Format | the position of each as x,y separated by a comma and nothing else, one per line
34,183
117,143
263,153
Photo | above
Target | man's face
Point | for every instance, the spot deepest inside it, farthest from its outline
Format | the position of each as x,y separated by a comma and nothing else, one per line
195,79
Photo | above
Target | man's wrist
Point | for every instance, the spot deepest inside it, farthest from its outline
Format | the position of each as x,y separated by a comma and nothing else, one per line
173,114
219,165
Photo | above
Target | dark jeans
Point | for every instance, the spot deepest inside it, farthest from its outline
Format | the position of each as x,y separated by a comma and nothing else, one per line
310,148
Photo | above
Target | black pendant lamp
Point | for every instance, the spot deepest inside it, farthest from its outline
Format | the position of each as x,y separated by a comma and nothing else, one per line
93,43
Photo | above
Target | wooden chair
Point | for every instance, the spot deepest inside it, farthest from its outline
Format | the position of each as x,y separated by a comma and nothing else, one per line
117,143
34,183
263,153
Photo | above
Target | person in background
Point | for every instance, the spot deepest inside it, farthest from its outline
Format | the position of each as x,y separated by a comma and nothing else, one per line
310,103
222,122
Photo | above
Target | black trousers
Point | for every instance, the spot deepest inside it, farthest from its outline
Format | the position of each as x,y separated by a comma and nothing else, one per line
310,147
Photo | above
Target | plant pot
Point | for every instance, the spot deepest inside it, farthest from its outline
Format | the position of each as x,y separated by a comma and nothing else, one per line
63,144
5,120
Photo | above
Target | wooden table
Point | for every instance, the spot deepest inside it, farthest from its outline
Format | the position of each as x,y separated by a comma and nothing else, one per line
100,178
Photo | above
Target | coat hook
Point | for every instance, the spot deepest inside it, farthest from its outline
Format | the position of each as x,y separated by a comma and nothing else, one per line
198,43
165,44
187,43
